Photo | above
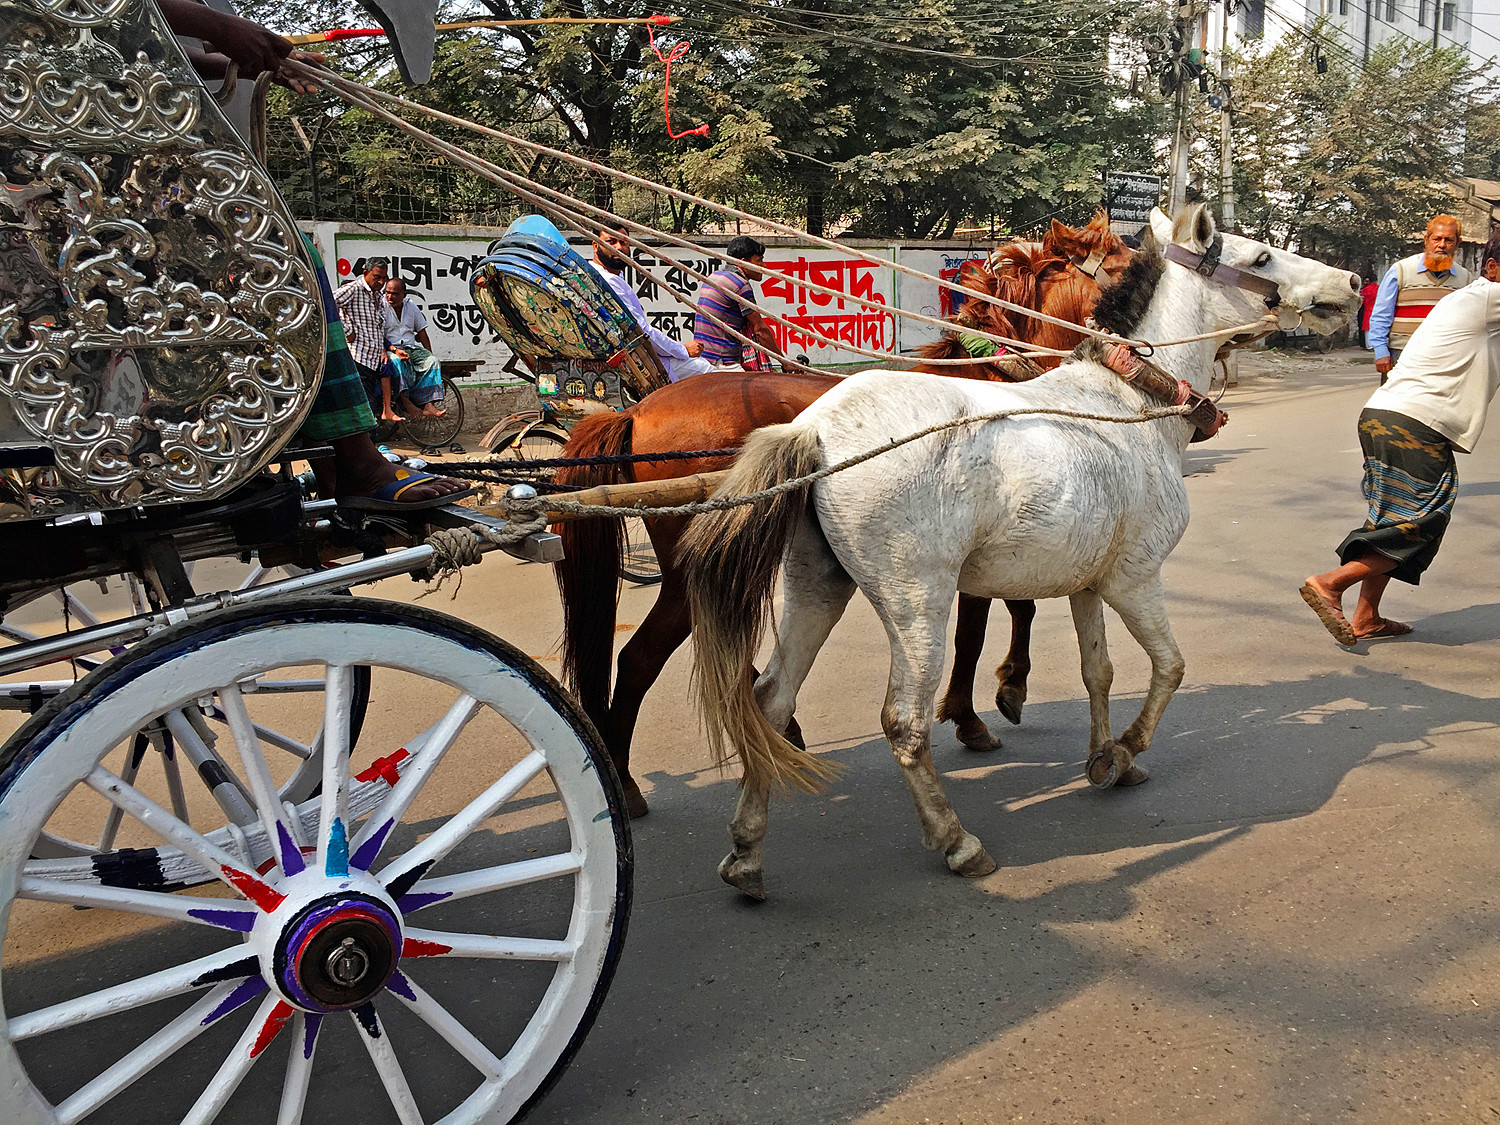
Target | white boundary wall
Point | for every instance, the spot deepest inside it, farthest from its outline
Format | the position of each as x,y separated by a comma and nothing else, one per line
436,262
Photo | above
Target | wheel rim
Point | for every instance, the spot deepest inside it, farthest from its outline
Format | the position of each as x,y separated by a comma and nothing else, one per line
335,911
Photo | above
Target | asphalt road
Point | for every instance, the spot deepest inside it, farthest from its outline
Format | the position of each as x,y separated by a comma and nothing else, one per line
1294,920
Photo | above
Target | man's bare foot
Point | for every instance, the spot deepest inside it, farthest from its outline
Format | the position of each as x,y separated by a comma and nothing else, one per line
391,416
358,469
1380,627
1329,608
431,410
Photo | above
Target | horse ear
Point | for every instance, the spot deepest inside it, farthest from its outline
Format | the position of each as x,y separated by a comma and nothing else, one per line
1161,226
1194,228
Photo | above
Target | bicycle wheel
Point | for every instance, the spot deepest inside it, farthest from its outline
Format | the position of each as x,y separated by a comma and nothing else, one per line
429,433
535,444
313,928
639,563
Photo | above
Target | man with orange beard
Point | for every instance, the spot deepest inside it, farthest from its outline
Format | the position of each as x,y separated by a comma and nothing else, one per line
1410,288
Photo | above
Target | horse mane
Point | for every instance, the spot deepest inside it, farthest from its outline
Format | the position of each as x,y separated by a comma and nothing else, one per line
1062,241
1123,304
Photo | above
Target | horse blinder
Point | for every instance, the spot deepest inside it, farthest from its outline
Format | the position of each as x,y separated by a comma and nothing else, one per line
1211,267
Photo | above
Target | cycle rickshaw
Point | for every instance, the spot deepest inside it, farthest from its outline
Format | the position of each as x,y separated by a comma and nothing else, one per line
261,849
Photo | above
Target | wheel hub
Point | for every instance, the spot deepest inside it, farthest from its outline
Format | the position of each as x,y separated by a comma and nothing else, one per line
337,952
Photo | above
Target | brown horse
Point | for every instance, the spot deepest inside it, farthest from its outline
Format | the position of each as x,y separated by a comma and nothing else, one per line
717,411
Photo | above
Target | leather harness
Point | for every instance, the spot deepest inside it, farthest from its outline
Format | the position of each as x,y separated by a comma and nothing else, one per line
1209,266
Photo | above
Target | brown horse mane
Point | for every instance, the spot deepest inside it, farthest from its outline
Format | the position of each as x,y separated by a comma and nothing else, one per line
1017,273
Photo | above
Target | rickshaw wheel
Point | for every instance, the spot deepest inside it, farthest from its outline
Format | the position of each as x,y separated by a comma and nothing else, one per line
314,931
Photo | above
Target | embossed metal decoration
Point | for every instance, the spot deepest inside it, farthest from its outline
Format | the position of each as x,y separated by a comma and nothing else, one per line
160,329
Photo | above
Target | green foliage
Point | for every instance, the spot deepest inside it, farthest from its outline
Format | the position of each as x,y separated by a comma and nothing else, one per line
1349,164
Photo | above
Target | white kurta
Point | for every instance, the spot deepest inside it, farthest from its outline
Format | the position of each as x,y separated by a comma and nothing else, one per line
673,355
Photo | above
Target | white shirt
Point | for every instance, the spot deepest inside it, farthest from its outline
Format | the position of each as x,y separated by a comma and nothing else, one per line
1449,372
401,328
674,357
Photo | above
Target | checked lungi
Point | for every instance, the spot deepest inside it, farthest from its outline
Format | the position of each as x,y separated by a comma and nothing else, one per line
1410,484
342,408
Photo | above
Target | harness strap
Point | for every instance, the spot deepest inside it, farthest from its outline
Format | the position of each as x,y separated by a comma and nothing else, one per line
1209,266
1091,264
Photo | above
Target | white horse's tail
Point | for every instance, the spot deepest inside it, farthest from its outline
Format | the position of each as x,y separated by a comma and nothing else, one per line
731,559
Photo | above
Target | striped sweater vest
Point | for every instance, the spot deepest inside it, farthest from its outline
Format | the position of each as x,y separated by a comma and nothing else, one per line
1418,291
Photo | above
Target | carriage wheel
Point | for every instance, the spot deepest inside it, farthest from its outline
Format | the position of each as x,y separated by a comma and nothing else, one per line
450,962
185,748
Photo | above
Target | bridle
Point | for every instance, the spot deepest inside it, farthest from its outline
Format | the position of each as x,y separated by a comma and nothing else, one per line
1209,266
1092,264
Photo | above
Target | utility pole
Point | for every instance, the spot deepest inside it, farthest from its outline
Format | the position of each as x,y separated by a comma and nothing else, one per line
1226,127
1177,178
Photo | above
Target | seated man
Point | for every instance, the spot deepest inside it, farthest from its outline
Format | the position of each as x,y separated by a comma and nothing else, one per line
729,298
410,354
611,253
357,474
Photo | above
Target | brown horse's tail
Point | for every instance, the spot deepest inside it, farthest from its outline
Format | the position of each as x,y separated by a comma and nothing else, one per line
588,577
731,559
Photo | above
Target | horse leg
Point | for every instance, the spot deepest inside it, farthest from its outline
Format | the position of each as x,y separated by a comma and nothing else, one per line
1098,672
1143,608
1010,696
958,701
915,621
641,660
816,592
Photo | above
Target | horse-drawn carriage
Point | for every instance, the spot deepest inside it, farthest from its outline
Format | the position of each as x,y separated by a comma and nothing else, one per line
245,819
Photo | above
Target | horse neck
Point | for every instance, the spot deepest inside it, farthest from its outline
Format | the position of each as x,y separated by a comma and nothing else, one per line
1180,309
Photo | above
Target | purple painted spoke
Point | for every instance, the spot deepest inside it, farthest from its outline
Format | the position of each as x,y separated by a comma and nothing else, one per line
427,892
445,1024
181,1030
181,908
123,997
467,819
392,1077
299,1067
436,742
262,788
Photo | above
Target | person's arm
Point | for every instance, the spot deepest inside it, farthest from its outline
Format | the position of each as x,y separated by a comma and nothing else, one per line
663,345
253,48
342,296
760,331
424,339
1382,315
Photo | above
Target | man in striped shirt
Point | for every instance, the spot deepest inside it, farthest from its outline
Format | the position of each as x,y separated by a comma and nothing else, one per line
728,297
359,303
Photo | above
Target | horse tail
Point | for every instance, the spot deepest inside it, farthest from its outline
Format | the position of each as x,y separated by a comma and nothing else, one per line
588,577
731,559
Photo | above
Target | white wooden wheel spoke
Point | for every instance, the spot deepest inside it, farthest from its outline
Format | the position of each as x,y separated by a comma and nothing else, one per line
466,820
214,858
333,823
182,908
173,769
132,768
429,892
305,1026
392,1077
443,943
436,742
262,787
123,997
247,1048
191,1023
437,1017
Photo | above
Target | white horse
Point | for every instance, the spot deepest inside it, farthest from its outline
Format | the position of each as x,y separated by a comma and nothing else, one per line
1034,507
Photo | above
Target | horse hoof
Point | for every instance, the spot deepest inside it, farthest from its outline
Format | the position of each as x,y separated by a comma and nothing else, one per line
746,880
1009,701
976,736
1107,765
970,859
1133,776
635,800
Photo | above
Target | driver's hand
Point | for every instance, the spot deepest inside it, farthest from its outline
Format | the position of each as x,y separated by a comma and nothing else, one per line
694,348
1383,364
